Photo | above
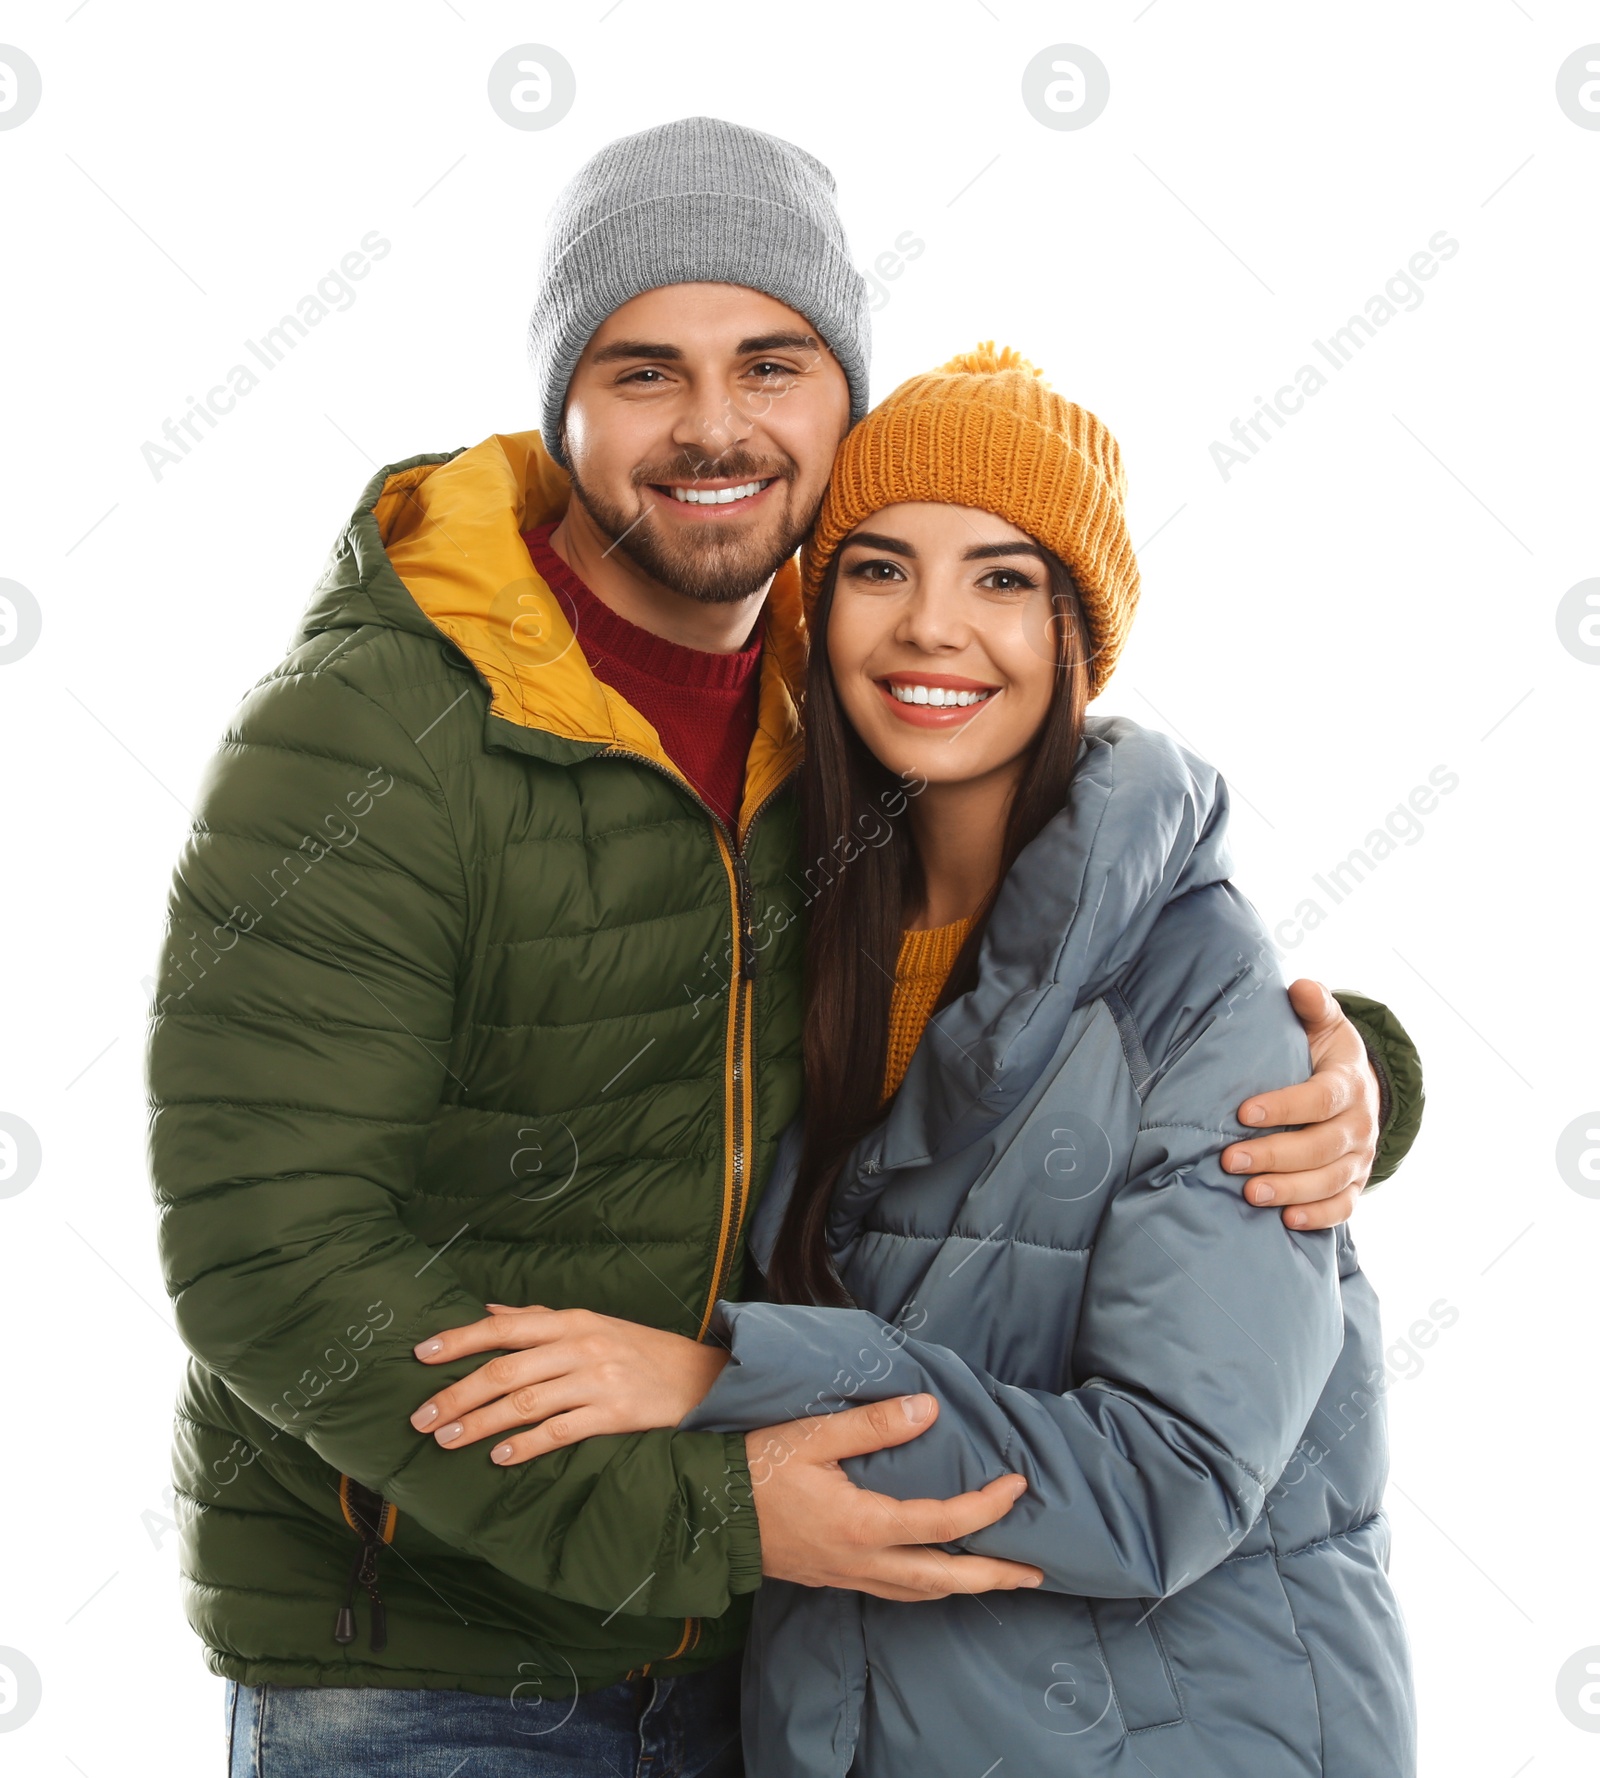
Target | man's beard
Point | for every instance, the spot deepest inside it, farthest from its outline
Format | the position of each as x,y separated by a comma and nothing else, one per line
714,564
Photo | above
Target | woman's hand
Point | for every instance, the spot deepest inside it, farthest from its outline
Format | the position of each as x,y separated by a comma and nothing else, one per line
567,1374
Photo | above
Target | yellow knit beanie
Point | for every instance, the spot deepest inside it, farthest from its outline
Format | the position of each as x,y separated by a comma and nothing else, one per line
987,431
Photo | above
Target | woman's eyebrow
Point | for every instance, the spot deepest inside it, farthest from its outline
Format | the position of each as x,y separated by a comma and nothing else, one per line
983,552
876,540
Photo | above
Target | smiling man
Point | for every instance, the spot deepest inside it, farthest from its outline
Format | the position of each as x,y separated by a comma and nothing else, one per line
708,505
482,984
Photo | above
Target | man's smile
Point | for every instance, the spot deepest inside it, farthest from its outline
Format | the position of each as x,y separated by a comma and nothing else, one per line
712,499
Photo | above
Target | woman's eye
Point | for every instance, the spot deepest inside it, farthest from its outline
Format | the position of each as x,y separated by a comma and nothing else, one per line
1007,580
877,573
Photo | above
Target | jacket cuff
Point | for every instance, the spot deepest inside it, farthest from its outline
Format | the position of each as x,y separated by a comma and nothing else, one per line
743,1529
775,1356
1398,1067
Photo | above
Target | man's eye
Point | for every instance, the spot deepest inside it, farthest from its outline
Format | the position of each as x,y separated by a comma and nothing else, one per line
637,376
766,369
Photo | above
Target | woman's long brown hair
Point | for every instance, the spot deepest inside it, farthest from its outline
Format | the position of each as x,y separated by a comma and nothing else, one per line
864,879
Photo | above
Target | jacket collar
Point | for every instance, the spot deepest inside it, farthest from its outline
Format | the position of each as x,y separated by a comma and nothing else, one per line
436,545
1146,822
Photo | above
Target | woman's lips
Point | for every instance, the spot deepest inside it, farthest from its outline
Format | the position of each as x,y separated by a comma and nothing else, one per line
935,715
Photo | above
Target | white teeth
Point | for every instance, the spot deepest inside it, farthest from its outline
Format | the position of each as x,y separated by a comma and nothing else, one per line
937,695
718,496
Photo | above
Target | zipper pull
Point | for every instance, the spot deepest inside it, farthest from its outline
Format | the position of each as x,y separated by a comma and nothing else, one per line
344,1625
363,1574
367,1574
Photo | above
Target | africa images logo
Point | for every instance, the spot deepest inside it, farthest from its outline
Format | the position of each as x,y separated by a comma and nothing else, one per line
334,293
1402,293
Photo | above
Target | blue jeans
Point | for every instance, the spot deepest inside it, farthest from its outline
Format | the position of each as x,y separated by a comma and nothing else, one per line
642,1728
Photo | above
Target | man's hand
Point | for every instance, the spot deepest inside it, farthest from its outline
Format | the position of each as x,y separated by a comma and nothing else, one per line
568,1374
1319,1171
819,1529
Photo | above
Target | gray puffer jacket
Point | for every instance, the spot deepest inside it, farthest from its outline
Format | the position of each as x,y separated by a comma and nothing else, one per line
1040,1235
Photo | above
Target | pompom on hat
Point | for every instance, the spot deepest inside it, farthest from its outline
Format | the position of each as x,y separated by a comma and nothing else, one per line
986,430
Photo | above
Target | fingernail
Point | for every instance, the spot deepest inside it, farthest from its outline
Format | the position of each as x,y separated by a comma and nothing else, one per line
424,1417
1264,1192
1019,1487
500,1454
429,1349
1036,1580
1240,1160
446,1434
917,1407
1297,1219
1253,1114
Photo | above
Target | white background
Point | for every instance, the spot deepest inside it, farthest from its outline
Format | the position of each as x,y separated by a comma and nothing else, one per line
1372,596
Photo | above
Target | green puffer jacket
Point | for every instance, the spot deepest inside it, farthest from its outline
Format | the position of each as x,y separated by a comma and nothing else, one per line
467,997
444,1017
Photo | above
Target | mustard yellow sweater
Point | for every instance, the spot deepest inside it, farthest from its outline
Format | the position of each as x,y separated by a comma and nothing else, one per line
919,975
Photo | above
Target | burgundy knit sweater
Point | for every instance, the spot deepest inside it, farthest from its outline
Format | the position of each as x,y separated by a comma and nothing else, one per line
702,705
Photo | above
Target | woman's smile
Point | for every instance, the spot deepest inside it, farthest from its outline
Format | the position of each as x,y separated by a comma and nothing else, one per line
934,700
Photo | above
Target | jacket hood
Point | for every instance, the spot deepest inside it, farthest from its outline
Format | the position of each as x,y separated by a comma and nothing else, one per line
434,547
1145,823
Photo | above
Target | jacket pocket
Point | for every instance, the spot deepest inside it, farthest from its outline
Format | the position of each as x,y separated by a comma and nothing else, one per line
1141,1676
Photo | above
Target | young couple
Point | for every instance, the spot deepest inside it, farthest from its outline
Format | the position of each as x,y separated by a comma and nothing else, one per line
513,911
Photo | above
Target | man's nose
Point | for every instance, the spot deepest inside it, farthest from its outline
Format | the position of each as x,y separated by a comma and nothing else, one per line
711,422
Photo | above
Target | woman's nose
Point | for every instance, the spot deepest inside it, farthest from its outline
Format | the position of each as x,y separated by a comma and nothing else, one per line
932,620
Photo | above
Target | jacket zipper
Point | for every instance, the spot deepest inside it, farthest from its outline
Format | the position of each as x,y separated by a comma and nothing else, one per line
740,1110
373,1519
741,998
363,1573
741,992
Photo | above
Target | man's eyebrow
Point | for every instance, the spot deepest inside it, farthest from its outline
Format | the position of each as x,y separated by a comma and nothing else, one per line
635,349
983,552
876,540
778,342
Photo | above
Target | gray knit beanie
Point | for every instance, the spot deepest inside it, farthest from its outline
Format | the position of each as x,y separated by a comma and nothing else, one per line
698,201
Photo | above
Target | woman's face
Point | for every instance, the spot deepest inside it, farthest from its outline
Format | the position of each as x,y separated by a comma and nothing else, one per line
942,640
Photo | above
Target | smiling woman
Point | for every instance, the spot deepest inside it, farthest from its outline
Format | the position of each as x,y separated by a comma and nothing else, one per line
956,650
1030,1015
